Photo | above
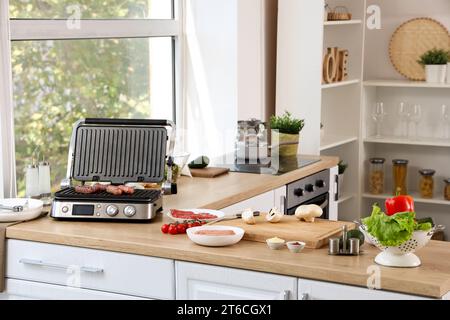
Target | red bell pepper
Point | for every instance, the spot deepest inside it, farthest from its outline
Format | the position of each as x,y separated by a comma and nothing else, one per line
399,204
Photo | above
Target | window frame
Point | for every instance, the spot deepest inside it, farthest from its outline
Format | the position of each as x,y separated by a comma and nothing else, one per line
57,29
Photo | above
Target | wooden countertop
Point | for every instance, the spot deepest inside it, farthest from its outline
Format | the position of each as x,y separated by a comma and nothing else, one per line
432,279
231,188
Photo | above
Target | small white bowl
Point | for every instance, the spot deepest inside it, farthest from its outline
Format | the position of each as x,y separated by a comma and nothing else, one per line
295,246
215,241
275,245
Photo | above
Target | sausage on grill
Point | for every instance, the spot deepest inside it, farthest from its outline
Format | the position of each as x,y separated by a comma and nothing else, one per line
85,189
126,189
114,190
98,187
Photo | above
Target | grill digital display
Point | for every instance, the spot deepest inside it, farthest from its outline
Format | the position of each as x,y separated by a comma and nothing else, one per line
82,210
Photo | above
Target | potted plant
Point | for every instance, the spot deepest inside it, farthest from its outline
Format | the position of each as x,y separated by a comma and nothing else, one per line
285,132
435,62
342,166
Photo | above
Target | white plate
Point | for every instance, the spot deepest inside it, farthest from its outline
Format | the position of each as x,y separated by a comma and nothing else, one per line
30,211
217,213
215,241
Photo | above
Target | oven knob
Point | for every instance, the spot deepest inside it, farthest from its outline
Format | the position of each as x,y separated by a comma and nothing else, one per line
129,211
309,188
112,210
320,184
298,192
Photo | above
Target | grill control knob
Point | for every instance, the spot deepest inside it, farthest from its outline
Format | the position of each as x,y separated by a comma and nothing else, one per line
320,184
298,192
129,211
309,188
112,210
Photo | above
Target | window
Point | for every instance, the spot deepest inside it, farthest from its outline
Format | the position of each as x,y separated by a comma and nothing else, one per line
118,60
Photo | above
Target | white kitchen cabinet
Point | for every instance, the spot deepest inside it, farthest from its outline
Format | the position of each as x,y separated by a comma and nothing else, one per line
263,202
99,270
29,290
198,281
318,290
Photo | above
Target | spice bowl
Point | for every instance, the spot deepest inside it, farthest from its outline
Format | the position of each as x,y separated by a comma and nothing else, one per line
275,243
295,246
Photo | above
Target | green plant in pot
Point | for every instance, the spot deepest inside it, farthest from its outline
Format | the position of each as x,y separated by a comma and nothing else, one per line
435,62
285,132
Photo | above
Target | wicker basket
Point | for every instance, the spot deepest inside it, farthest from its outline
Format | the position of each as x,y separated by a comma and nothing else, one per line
412,39
339,13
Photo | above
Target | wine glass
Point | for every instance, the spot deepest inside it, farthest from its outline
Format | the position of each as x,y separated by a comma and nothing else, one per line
445,118
378,115
404,115
416,116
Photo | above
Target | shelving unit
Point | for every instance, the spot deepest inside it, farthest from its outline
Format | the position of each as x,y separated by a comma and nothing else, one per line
405,84
342,23
345,110
329,142
417,199
445,143
341,101
340,84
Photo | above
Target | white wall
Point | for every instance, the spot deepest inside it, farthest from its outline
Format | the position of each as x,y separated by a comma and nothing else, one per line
299,66
226,66
211,95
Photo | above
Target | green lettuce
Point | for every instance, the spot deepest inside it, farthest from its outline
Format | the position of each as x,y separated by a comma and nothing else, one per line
390,230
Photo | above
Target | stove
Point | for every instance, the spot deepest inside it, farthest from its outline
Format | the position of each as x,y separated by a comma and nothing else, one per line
284,165
114,151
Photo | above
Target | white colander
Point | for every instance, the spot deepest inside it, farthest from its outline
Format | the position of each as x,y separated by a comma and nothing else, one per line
403,254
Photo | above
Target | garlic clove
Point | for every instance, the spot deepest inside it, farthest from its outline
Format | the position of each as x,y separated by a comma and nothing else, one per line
247,216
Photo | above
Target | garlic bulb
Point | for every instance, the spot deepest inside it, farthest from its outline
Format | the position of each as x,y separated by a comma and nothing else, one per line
274,215
308,212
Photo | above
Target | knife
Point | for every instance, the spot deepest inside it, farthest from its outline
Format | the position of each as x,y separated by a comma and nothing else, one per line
232,217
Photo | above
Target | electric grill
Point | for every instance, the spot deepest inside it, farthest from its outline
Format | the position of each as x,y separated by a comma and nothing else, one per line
117,151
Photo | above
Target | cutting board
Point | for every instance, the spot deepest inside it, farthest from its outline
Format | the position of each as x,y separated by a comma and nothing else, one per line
315,234
209,172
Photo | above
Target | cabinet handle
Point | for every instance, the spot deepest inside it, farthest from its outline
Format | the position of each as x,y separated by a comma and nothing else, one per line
283,204
305,296
284,295
40,263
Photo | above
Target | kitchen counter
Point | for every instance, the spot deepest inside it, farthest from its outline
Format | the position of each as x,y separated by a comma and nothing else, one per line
432,279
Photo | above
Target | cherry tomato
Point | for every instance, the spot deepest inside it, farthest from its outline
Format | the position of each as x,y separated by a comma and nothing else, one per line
181,228
189,225
173,229
165,228
196,224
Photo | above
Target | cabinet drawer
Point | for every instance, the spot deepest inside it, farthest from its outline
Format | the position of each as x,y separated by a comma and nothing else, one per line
318,290
205,282
29,290
91,269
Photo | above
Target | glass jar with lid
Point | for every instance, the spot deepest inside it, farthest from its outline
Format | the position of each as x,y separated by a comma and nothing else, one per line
376,175
447,189
426,183
400,176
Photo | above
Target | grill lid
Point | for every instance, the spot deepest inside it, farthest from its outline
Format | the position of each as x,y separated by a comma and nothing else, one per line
119,153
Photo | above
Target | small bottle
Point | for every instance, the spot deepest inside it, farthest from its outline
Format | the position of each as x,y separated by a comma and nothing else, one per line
400,176
376,175
44,182
426,183
447,189
32,181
